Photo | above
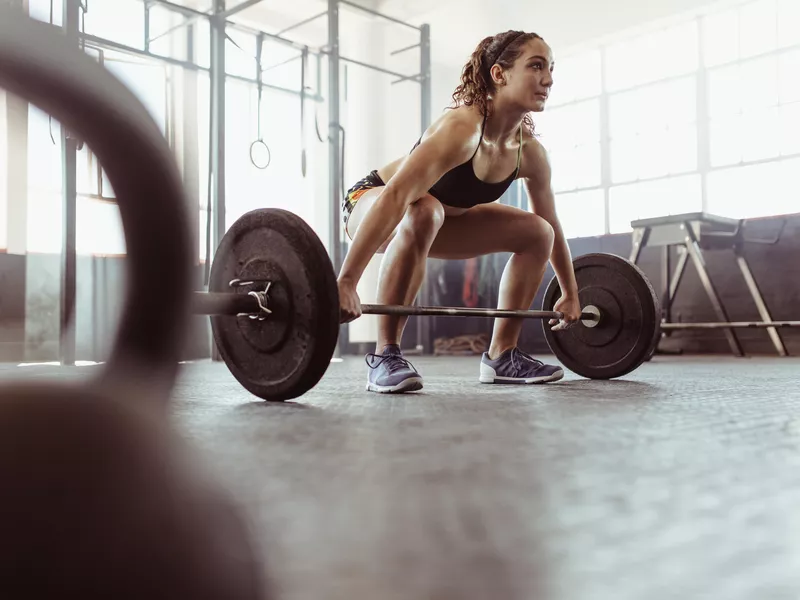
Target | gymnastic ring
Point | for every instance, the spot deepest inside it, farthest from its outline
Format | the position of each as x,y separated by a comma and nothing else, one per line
46,69
252,155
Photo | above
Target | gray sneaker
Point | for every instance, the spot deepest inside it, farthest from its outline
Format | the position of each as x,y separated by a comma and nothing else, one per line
515,366
390,373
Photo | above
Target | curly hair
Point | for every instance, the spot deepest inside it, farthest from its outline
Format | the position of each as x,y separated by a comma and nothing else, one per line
476,81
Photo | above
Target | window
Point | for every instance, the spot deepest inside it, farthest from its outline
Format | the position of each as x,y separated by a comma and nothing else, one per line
671,196
759,27
753,108
148,80
281,184
653,130
788,23
582,214
652,57
119,20
752,29
44,183
571,135
40,10
576,78
721,37
99,228
240,55
755,190
164,39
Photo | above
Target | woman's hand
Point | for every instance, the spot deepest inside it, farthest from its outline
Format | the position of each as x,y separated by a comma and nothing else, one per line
571,307
349,302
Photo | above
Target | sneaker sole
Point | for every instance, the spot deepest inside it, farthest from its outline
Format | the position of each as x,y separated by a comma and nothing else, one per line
412,384
558,375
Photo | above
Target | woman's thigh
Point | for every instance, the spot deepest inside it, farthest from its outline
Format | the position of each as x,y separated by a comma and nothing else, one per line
487,229
425,208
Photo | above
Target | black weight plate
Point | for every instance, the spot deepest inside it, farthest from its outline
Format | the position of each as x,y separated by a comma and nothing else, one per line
629,326
285,355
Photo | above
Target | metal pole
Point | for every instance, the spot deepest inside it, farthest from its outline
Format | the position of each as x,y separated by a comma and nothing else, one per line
180,8
378,14
402,76
237,9
69,259
731,325
217,145
147,26
334,150
423,325
301,23
102,43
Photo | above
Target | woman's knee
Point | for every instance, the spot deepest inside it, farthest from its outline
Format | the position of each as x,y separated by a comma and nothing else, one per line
536,236
423,219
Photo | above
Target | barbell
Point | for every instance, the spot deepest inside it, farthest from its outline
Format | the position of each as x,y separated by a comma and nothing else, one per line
274,307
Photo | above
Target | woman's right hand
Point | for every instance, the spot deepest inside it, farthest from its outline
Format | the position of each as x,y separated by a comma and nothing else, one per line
349,302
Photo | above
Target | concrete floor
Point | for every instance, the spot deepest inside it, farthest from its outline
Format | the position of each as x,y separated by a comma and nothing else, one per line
681,481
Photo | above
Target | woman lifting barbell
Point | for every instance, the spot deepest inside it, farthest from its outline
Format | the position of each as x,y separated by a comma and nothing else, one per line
440,202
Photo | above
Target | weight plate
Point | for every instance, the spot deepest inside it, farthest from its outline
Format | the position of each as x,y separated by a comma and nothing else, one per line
629,324
286,354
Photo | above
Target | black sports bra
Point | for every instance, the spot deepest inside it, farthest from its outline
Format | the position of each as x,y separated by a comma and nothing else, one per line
460,187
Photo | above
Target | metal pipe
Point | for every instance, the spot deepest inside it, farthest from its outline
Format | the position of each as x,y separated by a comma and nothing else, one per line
407,78
416,77
218,76
377,14
180,8
147,26
731,325
301,23
763,311
102,43
236,9
69,255
272,36
334,151
424,328
174,28
406,49
693,248
196,14
281,63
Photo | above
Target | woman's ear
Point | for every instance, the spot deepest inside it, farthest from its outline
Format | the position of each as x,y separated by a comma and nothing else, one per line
498,75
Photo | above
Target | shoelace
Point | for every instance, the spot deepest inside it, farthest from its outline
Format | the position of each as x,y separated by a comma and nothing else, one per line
394,362
518,367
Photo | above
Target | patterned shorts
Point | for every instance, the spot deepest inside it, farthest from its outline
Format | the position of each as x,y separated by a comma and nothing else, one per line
372,180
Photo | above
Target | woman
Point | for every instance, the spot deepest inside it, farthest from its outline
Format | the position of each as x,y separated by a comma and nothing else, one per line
439,201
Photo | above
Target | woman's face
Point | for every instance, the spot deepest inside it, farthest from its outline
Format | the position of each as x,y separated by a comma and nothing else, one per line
529,80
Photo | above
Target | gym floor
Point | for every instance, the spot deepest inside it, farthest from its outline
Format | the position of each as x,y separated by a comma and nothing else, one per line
682,481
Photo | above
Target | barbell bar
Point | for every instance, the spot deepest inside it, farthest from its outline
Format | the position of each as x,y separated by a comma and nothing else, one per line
226,303
221,303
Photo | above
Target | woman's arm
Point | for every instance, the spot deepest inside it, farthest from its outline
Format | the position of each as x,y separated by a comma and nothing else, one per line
537,175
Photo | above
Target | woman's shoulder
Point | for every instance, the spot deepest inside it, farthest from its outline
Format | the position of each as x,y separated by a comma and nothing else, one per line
464,120
535,160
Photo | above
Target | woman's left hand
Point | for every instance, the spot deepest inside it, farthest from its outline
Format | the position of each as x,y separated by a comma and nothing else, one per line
571,307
